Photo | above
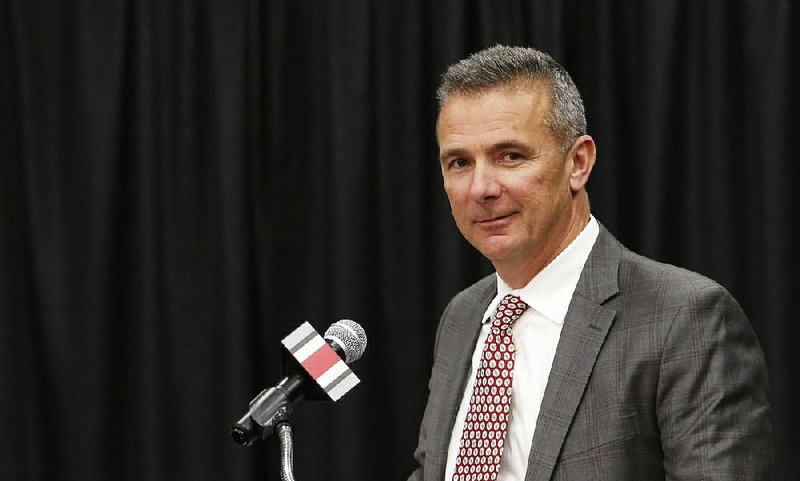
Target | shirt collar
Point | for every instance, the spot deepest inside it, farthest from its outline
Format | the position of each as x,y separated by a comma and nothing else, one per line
550,291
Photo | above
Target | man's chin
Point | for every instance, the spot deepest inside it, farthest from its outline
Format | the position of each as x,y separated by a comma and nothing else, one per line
496,248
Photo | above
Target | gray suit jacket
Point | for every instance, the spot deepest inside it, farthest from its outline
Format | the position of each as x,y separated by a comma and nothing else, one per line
657,376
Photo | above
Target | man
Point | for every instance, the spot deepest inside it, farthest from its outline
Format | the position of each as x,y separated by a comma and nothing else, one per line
578,359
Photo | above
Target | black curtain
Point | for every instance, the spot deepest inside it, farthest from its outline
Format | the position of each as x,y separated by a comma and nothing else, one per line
183,182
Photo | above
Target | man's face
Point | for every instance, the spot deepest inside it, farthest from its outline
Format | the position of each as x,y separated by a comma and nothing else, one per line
506,180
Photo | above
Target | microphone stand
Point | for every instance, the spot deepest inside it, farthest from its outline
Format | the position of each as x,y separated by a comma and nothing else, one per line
284,429
283,426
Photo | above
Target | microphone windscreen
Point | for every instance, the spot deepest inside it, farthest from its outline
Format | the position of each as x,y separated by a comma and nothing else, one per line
350,336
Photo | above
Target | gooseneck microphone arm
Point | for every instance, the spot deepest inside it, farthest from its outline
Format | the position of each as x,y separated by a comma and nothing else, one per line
287,450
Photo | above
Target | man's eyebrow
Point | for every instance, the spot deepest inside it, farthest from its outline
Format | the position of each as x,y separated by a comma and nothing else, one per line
501,145
452,152
509,144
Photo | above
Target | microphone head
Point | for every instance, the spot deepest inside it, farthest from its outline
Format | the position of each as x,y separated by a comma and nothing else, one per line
350,336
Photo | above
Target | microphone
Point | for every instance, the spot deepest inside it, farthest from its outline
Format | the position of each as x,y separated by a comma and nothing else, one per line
319,377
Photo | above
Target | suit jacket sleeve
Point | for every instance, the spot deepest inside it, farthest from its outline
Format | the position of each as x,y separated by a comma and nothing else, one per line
712,406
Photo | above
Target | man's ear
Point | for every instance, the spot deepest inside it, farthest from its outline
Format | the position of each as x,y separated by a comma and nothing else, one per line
582,156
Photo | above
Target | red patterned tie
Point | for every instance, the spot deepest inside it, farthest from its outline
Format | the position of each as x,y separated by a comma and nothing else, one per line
482,441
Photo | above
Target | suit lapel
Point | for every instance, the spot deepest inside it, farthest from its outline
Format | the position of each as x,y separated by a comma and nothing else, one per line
462,333
585,327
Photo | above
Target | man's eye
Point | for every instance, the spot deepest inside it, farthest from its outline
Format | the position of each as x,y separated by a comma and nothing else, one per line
513,156
459,163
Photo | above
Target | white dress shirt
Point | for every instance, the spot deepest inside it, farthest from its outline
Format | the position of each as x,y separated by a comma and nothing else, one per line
536,335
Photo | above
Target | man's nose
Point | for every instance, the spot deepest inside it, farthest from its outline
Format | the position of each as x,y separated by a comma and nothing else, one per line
485,184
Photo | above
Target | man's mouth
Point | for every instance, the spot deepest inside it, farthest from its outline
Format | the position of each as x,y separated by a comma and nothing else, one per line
495,219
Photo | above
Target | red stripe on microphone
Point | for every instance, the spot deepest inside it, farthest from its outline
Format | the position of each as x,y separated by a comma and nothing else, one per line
323,359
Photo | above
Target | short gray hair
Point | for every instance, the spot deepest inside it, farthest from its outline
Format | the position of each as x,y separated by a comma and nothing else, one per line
502,66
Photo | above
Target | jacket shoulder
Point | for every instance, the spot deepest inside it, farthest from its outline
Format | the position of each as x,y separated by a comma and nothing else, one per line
639,274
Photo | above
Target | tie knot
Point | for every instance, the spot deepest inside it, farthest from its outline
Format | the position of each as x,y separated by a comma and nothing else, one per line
509,310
